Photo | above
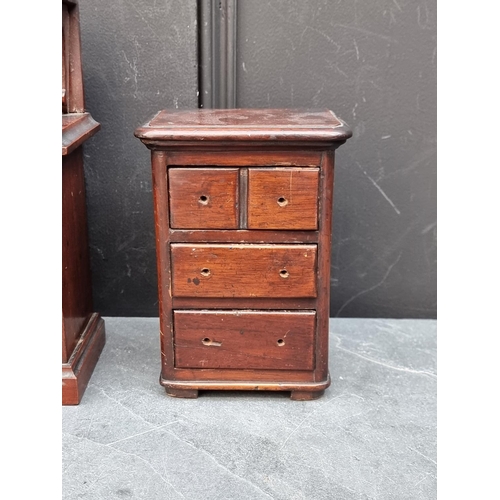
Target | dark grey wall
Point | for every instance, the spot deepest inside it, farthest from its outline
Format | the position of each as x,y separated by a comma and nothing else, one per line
374,64
139,56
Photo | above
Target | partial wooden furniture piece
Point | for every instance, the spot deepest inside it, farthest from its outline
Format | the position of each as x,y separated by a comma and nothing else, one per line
83,334
243,209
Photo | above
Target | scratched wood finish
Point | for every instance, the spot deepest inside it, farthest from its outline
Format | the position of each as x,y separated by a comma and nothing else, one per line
77,370
83,332
240,375
244,303
203,198
300,391
237,269
243,236
284,198
249,158
76,280
324,253
76,129
244,339
72,90
160,197
243,270
245,125
240,148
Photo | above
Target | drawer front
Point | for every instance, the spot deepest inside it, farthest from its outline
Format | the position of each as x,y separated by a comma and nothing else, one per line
203,198
244,339
284,198
200,270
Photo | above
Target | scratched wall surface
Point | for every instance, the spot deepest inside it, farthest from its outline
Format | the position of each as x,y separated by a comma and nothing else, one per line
374,64
139,56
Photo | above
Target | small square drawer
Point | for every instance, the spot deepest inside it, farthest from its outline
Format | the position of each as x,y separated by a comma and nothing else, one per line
243,270
260,340
203,198
283,198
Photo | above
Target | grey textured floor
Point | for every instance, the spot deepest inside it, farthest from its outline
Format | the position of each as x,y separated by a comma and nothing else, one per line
372,435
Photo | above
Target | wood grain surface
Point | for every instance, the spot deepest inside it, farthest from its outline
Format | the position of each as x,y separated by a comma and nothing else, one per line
253,157
203,198
76,278
244,339
242,236
243,270
244,125
283,198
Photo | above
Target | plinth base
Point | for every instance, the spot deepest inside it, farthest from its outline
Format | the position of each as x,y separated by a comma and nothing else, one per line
77,371
300,391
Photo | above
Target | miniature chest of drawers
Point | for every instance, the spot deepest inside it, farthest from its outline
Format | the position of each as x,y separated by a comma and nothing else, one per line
243,214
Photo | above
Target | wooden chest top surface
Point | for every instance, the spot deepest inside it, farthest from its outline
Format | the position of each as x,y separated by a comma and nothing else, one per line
244,125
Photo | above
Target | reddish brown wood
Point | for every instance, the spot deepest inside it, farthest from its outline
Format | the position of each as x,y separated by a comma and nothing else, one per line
306,395
243,270
74,101
244,125
160,196
175,392
243,303
324,259
83,333
243,236
203,198
76,372
76,129
227,280
76,281
240,380
242,147
244,339
283,198
65,57
242,376
245,158
64,64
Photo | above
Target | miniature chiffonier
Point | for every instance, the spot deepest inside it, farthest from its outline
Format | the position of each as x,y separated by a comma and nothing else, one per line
243,211
83,330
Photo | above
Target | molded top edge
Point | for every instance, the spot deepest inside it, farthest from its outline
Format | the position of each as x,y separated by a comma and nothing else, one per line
244,125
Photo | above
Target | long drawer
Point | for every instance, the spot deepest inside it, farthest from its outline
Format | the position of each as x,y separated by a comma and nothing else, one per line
211,270
277,340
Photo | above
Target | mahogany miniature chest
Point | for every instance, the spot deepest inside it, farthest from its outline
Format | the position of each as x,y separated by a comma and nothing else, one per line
243,212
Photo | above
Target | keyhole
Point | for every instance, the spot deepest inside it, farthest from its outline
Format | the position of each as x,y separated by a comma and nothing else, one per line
205,272
282,202
280,342
284,273
203,200
210,342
